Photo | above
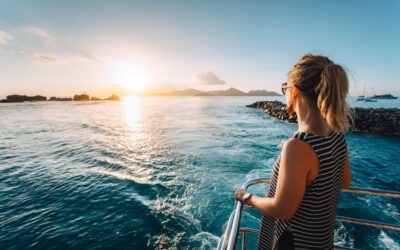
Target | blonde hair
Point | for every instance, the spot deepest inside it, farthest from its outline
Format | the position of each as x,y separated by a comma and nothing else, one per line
326,85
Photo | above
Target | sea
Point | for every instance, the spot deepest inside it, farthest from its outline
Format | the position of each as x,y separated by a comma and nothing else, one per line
160,173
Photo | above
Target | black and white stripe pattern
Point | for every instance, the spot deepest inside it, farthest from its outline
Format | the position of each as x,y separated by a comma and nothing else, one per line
314,222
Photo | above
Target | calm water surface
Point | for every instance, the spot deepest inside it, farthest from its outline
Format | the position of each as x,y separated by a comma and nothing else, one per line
159,172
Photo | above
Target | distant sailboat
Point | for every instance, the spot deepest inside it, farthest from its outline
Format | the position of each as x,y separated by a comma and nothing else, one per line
385,96
362,97
370,98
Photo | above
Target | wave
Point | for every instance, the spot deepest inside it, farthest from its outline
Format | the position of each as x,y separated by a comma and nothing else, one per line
387,242
163,176
121,175
206,239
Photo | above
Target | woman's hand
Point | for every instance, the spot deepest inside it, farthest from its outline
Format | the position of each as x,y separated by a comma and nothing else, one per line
242,195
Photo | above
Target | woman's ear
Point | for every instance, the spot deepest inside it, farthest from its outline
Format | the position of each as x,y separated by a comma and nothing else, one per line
295,92
290,109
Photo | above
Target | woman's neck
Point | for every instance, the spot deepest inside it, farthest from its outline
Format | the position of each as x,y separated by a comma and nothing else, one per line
309,119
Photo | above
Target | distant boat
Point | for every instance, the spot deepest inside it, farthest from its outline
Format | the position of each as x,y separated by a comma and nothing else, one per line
369,99
386,96
361,98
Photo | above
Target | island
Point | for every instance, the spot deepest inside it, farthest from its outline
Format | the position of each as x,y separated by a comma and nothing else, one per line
227,92
39,98
113,97
60,99
82,97
24,98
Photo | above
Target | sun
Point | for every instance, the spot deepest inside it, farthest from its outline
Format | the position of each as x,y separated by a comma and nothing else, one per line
130,75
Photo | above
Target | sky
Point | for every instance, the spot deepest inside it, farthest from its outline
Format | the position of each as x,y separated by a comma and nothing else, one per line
59,48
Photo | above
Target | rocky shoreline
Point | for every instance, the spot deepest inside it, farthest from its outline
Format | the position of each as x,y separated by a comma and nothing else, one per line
377,121
39,98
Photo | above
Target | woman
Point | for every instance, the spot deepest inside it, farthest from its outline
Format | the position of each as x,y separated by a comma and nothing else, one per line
300,206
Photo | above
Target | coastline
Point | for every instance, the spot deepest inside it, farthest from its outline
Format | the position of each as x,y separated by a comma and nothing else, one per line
40,98
381,121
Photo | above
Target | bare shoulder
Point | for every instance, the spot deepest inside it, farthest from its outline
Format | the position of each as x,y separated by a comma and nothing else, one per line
299,152
296,146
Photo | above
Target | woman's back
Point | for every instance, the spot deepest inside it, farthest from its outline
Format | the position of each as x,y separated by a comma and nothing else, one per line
313,224
300,206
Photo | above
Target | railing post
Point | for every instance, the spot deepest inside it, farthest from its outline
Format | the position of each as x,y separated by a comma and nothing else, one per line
235,226
224,241
244,240
233,230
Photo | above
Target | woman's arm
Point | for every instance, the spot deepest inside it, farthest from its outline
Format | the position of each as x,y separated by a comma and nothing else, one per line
297,158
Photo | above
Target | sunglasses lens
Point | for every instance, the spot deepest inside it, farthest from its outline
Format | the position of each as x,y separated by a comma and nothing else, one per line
284,87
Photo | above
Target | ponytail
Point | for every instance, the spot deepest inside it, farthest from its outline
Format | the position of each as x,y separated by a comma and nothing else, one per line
332,92
326,85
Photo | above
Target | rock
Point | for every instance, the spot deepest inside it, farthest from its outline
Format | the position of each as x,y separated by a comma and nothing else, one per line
378,121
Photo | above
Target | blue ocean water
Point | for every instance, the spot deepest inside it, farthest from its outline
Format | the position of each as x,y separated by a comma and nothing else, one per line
159,172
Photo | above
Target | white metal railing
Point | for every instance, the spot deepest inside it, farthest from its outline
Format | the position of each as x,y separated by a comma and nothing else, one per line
229,239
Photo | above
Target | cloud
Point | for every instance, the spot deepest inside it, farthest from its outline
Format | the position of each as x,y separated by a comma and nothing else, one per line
40,57
5,37
44,57
35,56
35,31
209,78
38,32
86,57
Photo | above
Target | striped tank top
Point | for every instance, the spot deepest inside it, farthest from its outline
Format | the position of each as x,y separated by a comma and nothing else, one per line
313,224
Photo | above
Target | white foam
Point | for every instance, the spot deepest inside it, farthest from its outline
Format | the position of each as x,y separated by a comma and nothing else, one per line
342,238
208,240
387,242
120,175
261,173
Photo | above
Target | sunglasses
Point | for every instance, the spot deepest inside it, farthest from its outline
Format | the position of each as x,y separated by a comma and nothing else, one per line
284,87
